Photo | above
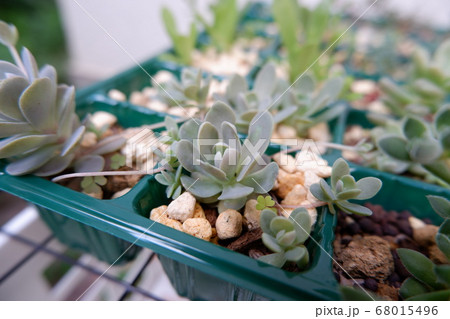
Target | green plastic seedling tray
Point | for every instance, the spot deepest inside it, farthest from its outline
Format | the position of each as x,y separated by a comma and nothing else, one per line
198,269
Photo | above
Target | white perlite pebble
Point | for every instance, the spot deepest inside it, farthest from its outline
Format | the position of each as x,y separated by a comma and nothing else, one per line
117,95
89,139
416,223
182,208
198,227
229,224
103,119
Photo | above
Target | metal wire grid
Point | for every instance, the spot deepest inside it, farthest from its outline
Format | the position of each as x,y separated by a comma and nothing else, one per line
41,247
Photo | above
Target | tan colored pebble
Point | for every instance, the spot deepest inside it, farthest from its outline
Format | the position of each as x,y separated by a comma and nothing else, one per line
229,224
296,196
198,227
138,98
425,236
286,162
89,139
251,214
182,207
121,193
102,119
198,211
286,182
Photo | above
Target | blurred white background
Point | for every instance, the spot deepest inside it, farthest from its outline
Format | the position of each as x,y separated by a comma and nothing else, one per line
136,25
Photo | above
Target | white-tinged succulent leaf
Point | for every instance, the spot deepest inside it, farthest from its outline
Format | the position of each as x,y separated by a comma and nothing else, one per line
440,205
70,144
8,34
327,191
11,128
20,144
318,193
189,130
235,191
48,71
332,88
108,145
271,243
32,161
237,85
200,188
283,114
30,64
265,81
425,151
340,169
10,91
414,128
287,239
395,147
443,238
37,103
296,253
89,163
219,113
442,118
304,85
441,55
208,136
229,162
279,224
211,170
348,194
265,219
55,166
302,223
352,208
262,181
236,204
369,187
9,68
276,259
229,135
185,154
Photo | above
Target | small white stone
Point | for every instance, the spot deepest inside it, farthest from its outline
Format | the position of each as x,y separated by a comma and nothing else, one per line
252,214
121,193
416,223
89,139
310,178
102,119
182,207
198,227
229,224
296,196
117,95
363,86
157,105
286,162
163,77
286,132
138,98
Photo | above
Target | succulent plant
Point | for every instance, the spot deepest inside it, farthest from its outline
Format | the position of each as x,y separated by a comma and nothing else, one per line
217,167
265,202
40,129
303,32
247,103
304,106
191,91
420,145
183,45
427,85
37,118
429,281
286,237
344,187
222,30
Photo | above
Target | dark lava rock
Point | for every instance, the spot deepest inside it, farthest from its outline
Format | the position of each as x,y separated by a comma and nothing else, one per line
371,284
390,230
399,268
404,227
353,228
367,225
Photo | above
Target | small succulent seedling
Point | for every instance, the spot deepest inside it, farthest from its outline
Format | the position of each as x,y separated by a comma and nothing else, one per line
344,187
222,30
265,202
302,33
171,179
191,91
426,87
216,166
183,45
429,281
286,237
421,144
305,105
118,161
92,185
